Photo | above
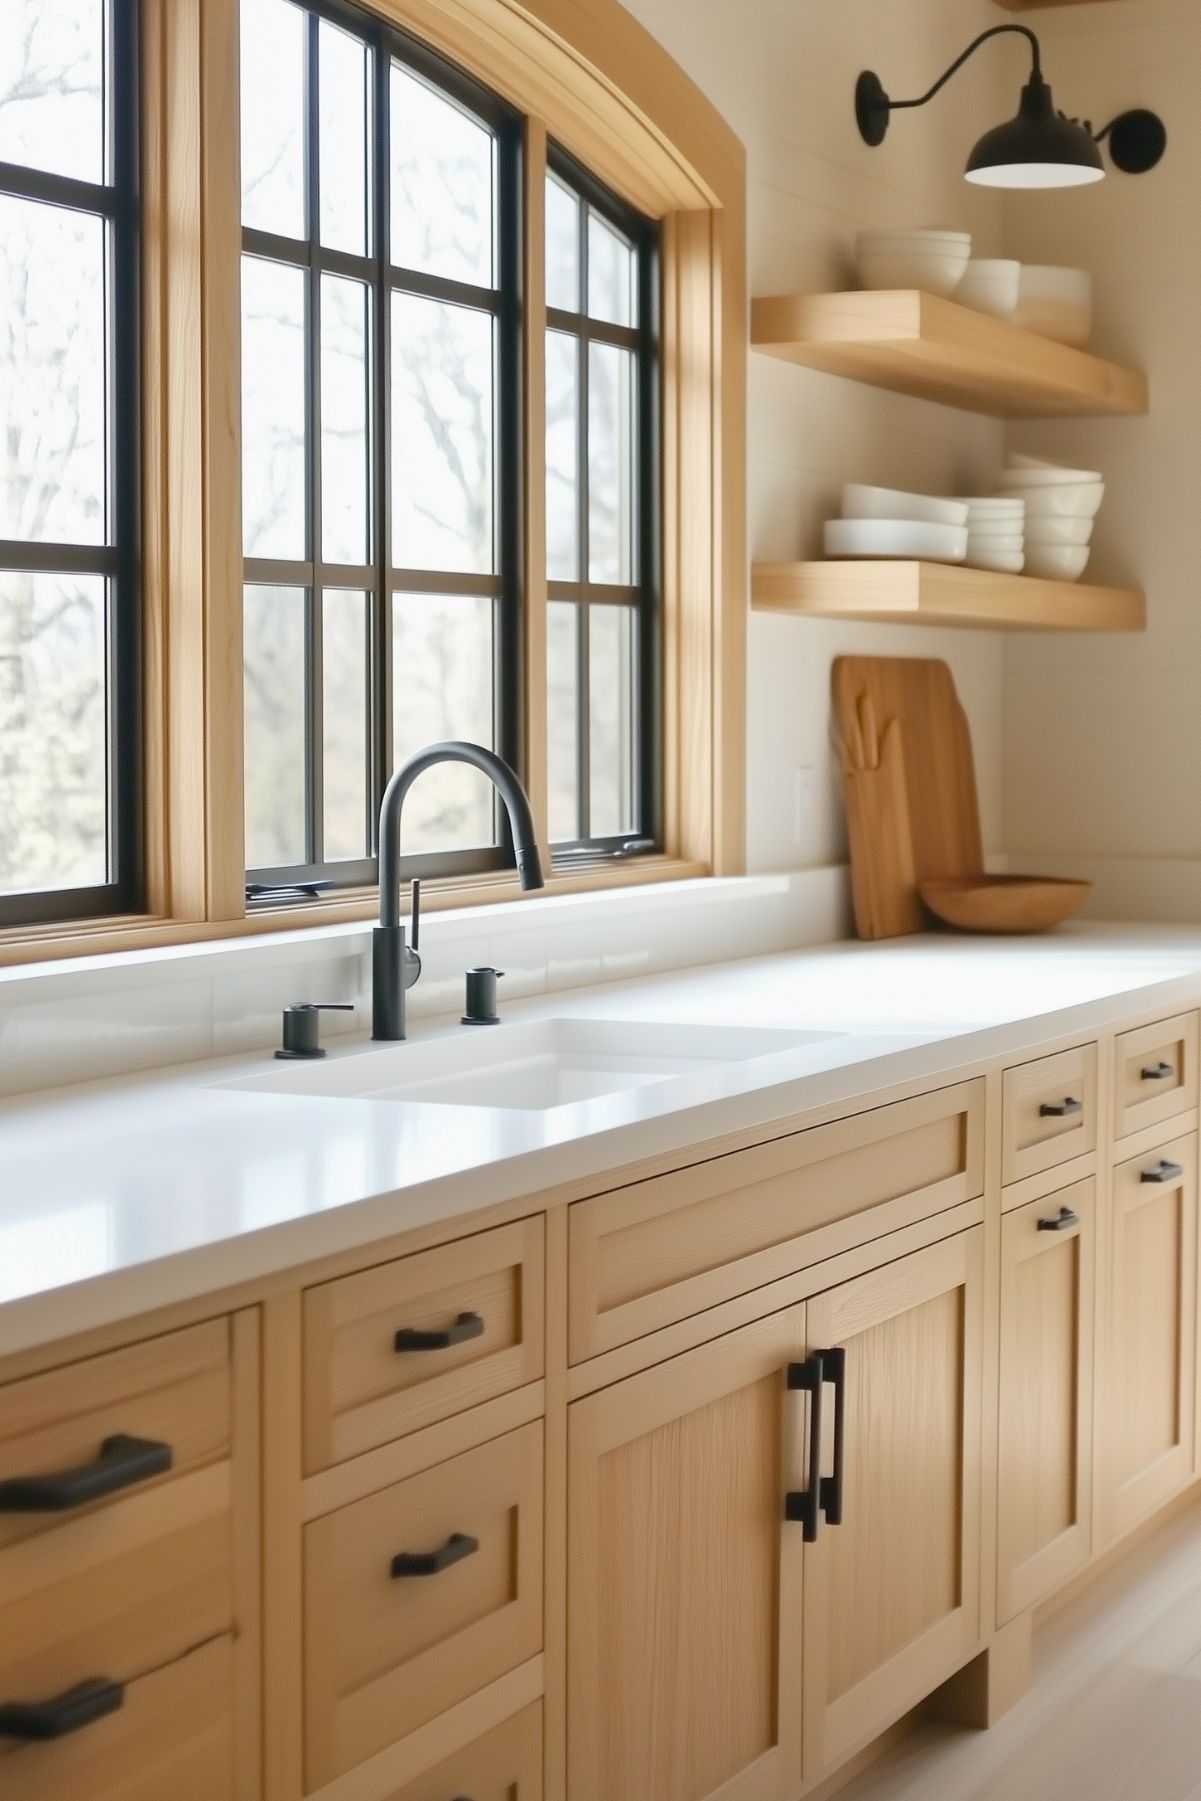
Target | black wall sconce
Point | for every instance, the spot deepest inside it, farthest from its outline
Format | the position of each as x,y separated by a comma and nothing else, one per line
1039,147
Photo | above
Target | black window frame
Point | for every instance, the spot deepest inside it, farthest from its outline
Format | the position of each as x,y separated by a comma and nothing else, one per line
118,561
644,593
379,578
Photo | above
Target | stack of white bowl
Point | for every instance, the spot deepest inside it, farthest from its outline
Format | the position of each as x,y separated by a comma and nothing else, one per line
886,522
1061,505
996,533
932,260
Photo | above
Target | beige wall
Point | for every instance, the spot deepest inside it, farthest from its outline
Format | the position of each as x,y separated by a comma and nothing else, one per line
1102,736
783,73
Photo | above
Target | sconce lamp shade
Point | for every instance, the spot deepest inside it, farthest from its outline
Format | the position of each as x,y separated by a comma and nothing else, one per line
1037,148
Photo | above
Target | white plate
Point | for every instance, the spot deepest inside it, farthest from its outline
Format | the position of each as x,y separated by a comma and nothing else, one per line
862,502
995,507
998,543
1005,563
895,538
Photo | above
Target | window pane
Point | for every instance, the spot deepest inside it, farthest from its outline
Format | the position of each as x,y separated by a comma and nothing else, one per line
52,374
443,181
344,413
562,720
610,464
611,719
562,457
562,247
275,714
442,436
273,109
611,270
53,732
345,722
273,409
442,688
51,86
344,67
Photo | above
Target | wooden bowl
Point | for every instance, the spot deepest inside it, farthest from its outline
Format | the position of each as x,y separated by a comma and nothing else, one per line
1004,903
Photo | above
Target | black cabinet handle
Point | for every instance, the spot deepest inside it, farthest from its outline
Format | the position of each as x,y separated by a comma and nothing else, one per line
804,1504
1157,1072
122,1462
1163,1172
431,1563
1063,1221
74,1708
834,1369
1059,1109
413,1338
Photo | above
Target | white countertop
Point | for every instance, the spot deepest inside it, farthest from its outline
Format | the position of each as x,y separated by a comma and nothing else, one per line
121,1196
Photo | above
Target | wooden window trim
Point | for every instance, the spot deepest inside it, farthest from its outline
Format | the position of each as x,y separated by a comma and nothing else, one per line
590,77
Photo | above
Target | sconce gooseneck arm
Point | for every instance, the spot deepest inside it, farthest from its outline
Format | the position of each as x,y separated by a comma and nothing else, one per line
992,32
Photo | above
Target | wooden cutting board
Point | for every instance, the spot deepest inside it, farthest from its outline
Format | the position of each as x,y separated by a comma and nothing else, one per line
910,786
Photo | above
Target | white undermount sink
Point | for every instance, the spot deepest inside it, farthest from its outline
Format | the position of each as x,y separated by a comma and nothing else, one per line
529,1065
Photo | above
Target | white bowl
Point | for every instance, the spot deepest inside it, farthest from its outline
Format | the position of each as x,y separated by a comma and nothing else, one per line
912,237
1010,562
1080,502
1057,562
934,272
1045,530
895,538
995,541
990,284
1000,506
1055,302
1045,475
862,502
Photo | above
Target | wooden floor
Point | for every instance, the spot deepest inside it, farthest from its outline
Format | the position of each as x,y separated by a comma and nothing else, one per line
1114,1709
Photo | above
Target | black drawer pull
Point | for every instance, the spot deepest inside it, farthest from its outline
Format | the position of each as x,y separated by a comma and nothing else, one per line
413,1338
1059,1109
1163,1172
1063,1221
1157,1072
122,1462
834,1369
804,1504
431,1563
68,1712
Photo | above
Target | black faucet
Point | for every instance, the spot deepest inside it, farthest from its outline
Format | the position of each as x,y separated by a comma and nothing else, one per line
394,966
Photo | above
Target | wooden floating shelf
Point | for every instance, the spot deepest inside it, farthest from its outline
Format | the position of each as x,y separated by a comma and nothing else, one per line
923,345
1029,6
942,594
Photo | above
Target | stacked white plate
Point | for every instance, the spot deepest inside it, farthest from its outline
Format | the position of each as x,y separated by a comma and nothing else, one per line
1061,505
931,260
888,522
996,528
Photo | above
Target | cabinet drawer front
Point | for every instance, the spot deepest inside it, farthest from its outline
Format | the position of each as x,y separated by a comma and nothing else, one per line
503,1765
361,1390
385,1653
121,1584
1049,1112
1156,1074
1044,1514
172,1737
658,1251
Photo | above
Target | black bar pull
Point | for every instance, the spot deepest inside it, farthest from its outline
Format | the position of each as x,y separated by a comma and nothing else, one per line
414,1338
76,1707
1059,1109
1157,1072
804,1504
431,1563
834,1369
1063,1221
123,1461
1163,1172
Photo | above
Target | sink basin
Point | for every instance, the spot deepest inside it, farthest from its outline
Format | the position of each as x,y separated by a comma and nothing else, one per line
531,1065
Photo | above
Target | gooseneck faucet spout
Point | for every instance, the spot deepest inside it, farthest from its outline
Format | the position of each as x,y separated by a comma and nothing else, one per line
394,965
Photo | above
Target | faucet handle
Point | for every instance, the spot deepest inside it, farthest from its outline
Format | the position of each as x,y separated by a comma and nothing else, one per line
415,919
302,1020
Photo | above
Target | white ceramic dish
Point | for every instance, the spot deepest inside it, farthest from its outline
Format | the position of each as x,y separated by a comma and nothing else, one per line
934,269
990,284
1055,302
1057,562
874,236
1046,529
1080,500
1045,475
862,502
994,506
995,543
896,538
1003,562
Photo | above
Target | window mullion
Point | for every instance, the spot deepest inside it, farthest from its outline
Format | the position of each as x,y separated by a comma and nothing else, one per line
314,622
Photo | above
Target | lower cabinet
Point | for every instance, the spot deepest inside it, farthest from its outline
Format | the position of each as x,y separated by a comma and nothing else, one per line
504,1765
1044,1479
1148,1337
774,1539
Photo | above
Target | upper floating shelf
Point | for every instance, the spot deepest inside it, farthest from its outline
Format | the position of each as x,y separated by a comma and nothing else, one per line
942,594
1028,6
923,345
